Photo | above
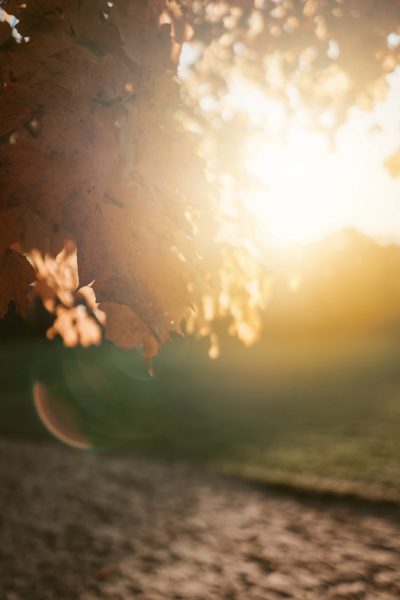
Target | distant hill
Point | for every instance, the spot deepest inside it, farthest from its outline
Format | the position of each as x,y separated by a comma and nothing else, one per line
345,283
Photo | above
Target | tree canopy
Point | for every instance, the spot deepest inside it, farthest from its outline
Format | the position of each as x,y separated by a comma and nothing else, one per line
119,163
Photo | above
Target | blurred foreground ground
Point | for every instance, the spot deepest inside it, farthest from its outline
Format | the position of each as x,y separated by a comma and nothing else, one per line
84,526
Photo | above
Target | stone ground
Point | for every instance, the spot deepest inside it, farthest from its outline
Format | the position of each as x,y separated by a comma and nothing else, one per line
77,525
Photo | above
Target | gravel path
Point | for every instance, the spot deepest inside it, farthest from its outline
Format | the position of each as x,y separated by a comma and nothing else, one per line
83,526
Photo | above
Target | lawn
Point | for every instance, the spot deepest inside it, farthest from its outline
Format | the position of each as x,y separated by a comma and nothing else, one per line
317,414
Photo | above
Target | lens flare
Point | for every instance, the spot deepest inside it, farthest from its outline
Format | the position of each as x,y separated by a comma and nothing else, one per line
59,417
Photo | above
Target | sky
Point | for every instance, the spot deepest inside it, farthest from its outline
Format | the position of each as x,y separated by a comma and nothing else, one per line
309,189
373,198
306,188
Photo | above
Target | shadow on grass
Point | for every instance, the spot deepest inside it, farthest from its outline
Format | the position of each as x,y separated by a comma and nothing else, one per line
326,410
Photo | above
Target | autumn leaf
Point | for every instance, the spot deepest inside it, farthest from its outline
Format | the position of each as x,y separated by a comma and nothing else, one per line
10,227
16,274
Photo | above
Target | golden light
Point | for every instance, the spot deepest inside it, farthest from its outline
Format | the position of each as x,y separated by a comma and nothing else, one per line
306,182
304,177
291,155
294,198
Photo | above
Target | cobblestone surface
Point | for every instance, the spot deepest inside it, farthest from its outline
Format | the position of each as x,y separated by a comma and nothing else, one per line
84,526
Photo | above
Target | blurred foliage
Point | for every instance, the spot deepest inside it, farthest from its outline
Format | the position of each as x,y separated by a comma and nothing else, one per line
92,153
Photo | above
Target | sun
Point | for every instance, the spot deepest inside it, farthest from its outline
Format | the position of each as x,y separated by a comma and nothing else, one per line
294,174
305,180
302,175
297,181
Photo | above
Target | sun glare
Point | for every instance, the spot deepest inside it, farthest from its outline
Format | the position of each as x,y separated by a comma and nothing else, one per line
304,180
307,183
296,180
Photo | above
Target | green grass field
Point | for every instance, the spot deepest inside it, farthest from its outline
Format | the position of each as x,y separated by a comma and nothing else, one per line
317,414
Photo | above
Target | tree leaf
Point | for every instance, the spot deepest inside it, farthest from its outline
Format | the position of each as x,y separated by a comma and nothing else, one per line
16,274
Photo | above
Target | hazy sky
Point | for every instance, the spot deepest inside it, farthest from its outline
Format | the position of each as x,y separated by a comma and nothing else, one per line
309,189
373,196
305,188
